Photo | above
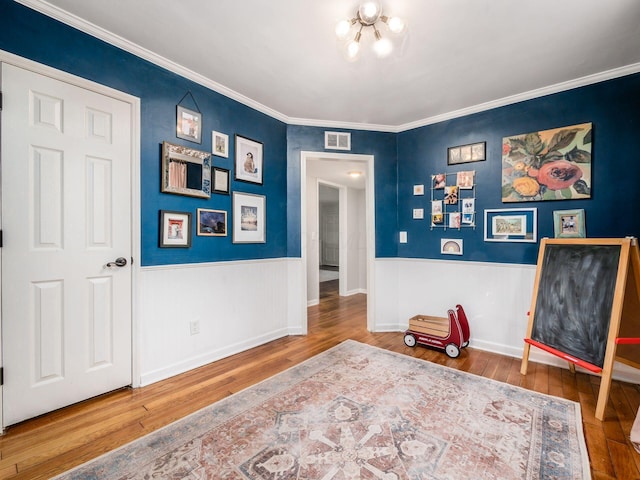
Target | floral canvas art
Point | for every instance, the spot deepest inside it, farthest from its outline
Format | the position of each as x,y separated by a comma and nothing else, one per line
547,165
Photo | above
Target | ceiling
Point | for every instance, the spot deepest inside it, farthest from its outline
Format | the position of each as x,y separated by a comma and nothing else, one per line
458,56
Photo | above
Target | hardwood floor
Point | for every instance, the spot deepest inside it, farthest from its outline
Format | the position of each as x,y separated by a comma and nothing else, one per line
48,445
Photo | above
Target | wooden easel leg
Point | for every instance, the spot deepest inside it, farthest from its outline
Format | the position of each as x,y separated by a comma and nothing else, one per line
525,359
603,394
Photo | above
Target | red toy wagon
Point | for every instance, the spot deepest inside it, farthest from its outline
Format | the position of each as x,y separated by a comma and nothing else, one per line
450,334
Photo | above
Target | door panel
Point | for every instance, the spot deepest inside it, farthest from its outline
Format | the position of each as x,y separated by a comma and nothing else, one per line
66,213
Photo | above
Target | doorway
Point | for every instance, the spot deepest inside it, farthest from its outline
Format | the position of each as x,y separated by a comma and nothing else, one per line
356,249
329,233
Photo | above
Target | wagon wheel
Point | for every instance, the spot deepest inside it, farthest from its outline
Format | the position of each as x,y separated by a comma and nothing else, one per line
452,350
409,340
465,344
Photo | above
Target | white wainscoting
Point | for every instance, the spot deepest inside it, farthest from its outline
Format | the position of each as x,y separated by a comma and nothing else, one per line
496,298
239,305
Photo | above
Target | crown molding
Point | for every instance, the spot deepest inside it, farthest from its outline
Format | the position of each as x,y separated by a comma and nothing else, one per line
89,28
521,97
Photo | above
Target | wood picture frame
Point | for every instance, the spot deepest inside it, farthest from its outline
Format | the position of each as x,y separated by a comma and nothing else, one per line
511,225
185,171
220,180
249,218
220,144
175,229
249,160
211,223
472,152
569,224
188,124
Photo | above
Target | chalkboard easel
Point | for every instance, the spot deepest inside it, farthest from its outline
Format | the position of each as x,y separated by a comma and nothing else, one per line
586,306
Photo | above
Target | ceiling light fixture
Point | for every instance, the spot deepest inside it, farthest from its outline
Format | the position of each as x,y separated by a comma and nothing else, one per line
354,173
368,15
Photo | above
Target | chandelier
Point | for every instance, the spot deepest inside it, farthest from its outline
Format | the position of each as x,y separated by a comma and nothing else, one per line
368,16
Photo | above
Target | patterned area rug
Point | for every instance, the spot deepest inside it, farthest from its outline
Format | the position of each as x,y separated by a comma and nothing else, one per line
357,411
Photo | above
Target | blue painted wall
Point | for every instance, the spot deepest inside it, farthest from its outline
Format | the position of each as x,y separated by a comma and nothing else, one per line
382,146
614,109
37,37
401,160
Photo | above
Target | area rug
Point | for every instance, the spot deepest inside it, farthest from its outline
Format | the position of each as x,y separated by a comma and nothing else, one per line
360,412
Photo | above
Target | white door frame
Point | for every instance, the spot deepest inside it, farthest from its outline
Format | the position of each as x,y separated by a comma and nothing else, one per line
9,58
370,225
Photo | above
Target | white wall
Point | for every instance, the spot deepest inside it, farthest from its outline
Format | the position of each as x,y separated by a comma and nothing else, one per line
238,305
495,297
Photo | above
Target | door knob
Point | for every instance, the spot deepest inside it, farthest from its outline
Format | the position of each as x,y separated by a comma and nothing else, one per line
119,262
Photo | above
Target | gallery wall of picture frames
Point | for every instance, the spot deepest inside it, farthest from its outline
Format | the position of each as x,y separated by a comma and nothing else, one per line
190,172
453,200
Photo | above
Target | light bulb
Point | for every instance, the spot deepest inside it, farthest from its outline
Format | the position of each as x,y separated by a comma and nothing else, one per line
353,47
369,12
342,29
382,47
396,24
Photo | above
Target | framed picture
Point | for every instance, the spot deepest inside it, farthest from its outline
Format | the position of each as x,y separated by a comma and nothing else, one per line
220,180
248,160
474,152
547,165
175,229
451,246
249,218
569,224
212,223
189,125
185,171
418,189
511,225
220,144
418,213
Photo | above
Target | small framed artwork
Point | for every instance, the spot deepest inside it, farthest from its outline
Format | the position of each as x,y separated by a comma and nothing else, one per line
249,218
418,189
569,224
248,160
418,213
220,144
474,152
189,125
220,180
511,225
212,223
451,246
175,229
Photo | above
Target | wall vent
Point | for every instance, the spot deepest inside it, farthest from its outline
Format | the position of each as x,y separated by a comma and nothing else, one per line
337,140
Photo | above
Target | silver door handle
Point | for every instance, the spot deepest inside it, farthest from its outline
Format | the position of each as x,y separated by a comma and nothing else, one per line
119,262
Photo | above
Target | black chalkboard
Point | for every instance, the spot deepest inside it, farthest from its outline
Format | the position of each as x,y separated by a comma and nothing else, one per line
575,298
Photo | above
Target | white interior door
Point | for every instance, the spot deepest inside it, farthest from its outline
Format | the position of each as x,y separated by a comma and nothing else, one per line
66,213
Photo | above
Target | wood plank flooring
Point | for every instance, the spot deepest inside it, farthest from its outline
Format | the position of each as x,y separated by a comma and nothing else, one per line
48,445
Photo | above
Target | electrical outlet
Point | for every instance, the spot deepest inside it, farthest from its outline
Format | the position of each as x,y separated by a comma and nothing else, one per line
194,327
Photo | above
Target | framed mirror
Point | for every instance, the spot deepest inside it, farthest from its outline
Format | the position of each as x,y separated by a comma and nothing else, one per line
185,171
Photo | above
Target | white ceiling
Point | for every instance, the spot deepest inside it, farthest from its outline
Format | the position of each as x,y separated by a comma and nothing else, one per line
458,56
